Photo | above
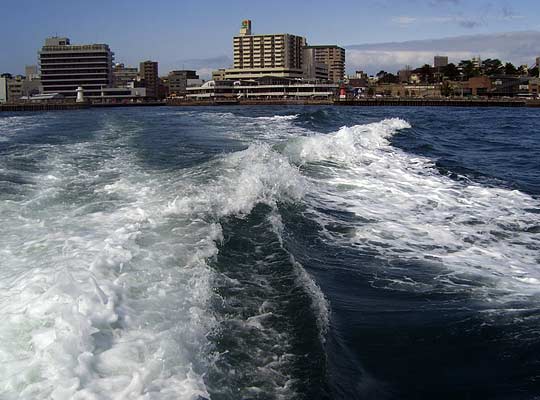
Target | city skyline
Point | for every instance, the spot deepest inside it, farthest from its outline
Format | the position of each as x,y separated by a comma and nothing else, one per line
202,40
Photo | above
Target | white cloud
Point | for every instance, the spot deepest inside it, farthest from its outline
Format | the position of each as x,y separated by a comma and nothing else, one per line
516,47
405,20
373,61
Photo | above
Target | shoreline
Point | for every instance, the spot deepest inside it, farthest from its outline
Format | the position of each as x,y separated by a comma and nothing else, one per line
381,102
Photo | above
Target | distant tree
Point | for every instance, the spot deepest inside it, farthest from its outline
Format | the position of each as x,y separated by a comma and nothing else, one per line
451,72
371,91
510,69
492,66
427,74
522,70
533,72
389,78
381,74
447,89
467,68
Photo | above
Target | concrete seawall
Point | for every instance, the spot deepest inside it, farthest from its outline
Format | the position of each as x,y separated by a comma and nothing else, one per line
43,106
432,103
284,102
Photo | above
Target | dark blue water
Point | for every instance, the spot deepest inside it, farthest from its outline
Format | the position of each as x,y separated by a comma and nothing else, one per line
271,253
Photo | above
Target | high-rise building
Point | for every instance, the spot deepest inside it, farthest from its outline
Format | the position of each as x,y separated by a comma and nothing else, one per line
266,55
178,81
334,58
65,67
440,61
123,76
312,68
148,70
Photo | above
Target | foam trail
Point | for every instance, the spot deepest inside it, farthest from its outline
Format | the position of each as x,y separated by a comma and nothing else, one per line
106,283
102,295
407,210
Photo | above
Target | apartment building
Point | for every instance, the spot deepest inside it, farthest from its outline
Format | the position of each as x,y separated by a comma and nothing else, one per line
123,76
148,70
440,61
179,80
65,67
333,57
313,69
11,87
3,89
277,55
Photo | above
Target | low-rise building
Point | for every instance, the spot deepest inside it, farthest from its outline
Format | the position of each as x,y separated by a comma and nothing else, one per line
478,86
121,95
123,76
3,89
219,74
266,88
11,87
179,80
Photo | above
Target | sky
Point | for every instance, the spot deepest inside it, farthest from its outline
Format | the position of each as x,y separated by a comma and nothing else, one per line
198,34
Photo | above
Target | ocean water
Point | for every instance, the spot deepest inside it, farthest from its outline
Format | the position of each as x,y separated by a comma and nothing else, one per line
270,253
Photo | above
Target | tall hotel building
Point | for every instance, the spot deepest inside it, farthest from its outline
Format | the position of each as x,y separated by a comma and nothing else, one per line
65,67
333,57
266,55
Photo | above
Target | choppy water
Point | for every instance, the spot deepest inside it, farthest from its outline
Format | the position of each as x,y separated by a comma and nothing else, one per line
270,253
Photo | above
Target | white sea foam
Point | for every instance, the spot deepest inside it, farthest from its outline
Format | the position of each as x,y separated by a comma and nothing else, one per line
408,210
102,296
278,118
105,285
246,178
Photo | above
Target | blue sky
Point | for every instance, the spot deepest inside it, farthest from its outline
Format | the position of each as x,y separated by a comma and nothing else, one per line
198,33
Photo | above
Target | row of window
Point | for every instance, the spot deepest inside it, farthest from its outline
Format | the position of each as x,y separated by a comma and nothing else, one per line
73,78
83,72
75,63
74,54
74,86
